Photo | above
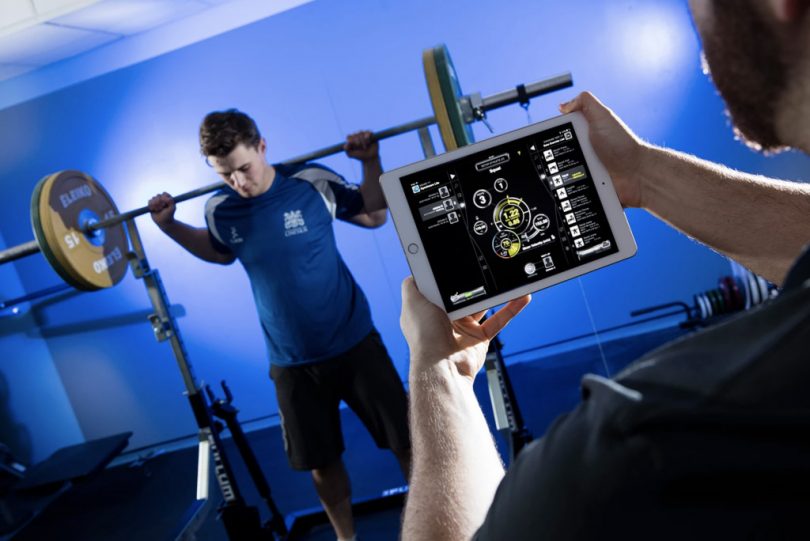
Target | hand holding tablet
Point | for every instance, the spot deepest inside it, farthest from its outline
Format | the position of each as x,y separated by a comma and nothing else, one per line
507,216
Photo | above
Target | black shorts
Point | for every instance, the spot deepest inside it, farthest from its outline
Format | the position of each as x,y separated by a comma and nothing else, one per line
309,395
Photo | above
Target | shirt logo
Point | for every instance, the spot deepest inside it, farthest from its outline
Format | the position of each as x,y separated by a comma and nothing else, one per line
294,223
235,238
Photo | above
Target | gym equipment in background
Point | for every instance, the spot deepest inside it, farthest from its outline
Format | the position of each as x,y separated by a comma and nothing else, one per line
741,291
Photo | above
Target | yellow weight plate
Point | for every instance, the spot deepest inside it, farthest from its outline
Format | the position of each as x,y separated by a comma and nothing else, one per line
451,93
62,205
437,100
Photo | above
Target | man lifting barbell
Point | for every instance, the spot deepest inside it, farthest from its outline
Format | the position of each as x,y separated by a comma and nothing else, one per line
317,325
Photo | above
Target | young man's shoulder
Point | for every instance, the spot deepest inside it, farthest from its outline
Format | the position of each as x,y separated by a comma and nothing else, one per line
309,171
222,198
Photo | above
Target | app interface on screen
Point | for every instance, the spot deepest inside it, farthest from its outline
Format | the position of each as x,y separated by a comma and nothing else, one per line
508,216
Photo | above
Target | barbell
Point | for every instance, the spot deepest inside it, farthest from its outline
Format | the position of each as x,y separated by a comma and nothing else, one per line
77,226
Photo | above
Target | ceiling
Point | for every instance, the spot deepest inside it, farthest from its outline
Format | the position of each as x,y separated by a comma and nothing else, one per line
35,34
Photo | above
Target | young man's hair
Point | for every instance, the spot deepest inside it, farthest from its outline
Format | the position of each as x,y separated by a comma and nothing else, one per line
223,131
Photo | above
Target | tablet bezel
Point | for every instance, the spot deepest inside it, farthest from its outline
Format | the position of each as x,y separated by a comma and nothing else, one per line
409,235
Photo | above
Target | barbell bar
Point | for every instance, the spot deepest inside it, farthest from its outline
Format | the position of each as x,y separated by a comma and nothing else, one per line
326,151
86,245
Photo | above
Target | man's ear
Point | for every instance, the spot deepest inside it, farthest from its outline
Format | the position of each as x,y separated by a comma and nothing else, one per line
789,11
262,146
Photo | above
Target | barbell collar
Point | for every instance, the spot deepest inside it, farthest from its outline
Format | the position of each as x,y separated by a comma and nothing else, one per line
538,88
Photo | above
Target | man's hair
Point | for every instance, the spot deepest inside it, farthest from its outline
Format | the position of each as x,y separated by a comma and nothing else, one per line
223,131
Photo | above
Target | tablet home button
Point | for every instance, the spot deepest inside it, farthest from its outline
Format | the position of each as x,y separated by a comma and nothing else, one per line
413,248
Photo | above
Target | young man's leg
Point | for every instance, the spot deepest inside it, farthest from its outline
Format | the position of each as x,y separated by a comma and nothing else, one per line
334,489
310,419
373,390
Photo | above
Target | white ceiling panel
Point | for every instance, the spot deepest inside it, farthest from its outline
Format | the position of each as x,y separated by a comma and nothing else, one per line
60,6
15,11
46,43
79,39
130,17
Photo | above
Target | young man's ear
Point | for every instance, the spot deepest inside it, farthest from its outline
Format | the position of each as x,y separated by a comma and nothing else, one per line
789,11
262,146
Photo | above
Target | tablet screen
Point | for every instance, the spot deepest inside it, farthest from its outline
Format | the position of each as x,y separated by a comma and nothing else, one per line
508,216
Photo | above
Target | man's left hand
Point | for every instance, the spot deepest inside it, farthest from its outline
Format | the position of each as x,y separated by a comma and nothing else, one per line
361,146
433,338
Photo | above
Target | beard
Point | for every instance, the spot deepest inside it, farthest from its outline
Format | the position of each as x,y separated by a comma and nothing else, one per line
743,57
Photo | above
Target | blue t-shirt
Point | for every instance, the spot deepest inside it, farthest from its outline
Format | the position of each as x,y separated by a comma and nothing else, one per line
309,304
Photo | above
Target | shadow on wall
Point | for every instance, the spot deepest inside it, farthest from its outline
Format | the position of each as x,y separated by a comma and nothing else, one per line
35,324
15,435
29,321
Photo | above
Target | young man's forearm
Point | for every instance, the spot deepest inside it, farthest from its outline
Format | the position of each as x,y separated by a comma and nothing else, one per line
195,240
764,229
370,188
456,468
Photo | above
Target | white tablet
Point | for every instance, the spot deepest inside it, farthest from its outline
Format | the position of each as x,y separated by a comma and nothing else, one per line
516,213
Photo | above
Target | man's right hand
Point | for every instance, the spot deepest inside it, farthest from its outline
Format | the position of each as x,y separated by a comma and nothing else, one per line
616,145
162,209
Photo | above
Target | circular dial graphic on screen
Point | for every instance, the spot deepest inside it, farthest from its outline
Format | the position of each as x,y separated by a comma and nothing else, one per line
512,214
541,222
506,244
482,198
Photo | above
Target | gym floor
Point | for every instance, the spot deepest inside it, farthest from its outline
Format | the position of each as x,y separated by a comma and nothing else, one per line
148,501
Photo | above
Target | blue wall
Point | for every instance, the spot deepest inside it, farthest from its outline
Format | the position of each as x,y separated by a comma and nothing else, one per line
309,76
36,416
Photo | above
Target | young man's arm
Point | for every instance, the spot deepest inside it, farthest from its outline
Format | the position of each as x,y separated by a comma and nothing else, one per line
760,222
361,147
456,468
194,239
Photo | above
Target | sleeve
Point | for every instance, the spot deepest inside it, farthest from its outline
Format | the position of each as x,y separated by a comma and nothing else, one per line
582,465
343,199
210,222
527,502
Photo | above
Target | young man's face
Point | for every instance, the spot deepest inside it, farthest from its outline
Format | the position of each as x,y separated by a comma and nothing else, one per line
244,169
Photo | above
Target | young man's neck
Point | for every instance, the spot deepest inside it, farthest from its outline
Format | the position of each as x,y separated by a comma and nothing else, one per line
269,177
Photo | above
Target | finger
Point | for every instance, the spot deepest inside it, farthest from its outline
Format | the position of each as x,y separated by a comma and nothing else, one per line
479,315
498,321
